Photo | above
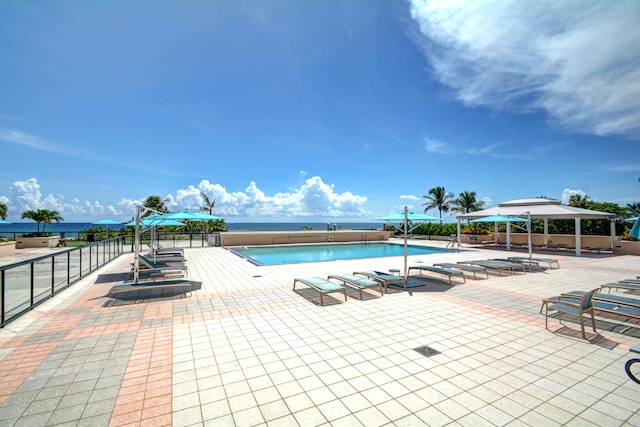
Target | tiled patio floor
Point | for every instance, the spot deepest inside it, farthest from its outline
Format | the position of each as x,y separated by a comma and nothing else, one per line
245,349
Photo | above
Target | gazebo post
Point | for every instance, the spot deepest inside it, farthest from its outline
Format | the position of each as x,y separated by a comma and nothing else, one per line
613,235
578,237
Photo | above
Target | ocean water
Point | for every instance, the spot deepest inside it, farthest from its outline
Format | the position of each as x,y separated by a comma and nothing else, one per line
8,230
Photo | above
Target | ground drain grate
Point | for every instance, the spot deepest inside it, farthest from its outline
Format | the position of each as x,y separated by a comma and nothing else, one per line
257,275
425,350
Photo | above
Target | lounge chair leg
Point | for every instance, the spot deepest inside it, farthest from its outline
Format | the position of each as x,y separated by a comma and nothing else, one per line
593,322
546,317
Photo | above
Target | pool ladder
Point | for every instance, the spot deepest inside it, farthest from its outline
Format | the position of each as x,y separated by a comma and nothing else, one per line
364,239
234,241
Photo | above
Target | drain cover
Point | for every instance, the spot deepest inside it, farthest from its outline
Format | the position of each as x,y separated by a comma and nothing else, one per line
425,350
257,276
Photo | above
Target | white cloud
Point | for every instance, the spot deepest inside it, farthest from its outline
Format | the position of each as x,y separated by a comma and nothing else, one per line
576,60
623,168
409,197
567,193
312,198
21,138
26,195
437,147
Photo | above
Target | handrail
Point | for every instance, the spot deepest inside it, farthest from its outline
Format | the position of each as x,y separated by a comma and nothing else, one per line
27,283
233,240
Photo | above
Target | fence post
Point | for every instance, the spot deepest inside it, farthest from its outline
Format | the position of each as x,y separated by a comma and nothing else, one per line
53,274
2,297
32,285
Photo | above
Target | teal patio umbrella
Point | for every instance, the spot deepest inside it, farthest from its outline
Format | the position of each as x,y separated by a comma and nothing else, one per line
635,230
159,222
2,221
506,218
187,215
404,218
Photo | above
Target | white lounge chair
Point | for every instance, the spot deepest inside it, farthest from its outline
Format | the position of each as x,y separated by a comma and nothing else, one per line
321,285
358,282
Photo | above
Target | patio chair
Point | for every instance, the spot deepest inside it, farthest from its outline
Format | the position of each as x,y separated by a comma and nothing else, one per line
550,261
464,267
159,270
597,249
558,247
491,265
623,284
384,278
146,262
528,265
449,273
357,282
573,304
606,303
185,286
321,285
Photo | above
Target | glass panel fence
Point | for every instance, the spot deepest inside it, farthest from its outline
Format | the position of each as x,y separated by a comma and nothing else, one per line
17,289
26,283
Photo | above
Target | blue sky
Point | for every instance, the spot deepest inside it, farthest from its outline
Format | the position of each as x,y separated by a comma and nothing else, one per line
304,111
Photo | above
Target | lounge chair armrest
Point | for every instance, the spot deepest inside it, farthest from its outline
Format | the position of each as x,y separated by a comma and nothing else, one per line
567,303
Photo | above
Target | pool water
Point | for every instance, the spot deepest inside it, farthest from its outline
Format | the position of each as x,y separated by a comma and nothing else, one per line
292,254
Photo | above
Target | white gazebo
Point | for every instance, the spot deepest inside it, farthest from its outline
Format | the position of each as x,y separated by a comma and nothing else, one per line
544,209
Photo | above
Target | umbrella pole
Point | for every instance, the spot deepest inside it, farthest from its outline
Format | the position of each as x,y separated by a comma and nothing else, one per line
136,262
405,246
529,235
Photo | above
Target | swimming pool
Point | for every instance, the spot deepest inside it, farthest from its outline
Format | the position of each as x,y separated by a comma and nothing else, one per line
292,254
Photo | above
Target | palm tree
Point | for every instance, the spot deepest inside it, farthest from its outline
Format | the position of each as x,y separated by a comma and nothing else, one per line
208,204
3,211
49,216
438,198
578,200
43,216
155,203
633,209
466,203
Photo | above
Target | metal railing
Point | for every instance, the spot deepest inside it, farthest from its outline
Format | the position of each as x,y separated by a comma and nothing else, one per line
25,284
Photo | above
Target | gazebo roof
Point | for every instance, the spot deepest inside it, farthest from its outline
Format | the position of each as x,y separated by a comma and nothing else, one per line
538,209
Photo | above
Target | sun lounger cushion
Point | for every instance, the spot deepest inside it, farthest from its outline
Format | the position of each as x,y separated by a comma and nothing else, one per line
607,303
629,286
444,271
549,261
492,265
464,267
321,285
384,278
131,288
357,281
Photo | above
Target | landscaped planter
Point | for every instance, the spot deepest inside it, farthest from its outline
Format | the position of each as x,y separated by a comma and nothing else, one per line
7,249
37,242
